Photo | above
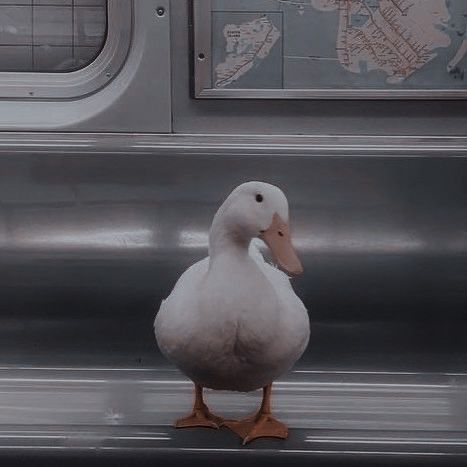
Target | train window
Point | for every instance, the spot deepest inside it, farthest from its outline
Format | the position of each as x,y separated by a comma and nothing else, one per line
61,48
51,35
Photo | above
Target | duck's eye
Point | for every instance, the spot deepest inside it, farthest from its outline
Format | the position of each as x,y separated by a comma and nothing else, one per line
259,198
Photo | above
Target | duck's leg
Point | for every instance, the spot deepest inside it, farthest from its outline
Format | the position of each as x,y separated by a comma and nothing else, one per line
261,425
200,416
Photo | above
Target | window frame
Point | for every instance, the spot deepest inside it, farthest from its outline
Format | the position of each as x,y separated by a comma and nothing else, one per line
86,80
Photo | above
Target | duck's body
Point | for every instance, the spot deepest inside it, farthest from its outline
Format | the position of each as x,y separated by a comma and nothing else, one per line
234,323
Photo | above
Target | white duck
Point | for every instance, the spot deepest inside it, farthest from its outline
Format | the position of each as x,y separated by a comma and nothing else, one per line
232,321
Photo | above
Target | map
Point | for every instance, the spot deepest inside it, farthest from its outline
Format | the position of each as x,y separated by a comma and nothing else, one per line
351,44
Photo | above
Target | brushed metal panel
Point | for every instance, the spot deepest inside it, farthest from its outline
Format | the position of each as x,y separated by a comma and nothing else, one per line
134,93
93,238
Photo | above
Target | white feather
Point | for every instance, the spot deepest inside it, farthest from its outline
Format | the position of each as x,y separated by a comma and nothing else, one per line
234,322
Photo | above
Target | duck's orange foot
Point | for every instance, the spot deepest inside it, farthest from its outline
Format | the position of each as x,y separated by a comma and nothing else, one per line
259,426
200,418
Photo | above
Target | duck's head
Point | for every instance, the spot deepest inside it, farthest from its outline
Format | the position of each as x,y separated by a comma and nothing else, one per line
257,209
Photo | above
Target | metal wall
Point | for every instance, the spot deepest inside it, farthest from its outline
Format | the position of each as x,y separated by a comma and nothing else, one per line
127,89
92,240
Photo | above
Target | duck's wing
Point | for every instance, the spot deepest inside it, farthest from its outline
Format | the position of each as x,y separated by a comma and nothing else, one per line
184,289
187,283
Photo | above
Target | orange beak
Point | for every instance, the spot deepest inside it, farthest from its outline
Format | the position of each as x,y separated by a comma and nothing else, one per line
277,238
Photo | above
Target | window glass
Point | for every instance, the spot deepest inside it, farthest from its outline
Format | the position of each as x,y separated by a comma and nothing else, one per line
51,35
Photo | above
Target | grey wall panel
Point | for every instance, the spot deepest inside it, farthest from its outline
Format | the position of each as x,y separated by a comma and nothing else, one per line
300,117
137,98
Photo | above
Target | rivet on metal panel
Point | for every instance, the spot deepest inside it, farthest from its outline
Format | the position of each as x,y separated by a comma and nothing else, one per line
160,11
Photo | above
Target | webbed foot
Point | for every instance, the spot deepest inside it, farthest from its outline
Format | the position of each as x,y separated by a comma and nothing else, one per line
259,426
201,417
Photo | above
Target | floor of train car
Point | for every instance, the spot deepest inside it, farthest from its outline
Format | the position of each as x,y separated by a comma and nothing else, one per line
111,415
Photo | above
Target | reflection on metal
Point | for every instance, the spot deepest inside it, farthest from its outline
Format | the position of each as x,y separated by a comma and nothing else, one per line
354,242
326,240
244,146
329,412
194,239
60,227
100,238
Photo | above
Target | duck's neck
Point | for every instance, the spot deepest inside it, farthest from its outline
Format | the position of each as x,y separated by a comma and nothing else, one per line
225,241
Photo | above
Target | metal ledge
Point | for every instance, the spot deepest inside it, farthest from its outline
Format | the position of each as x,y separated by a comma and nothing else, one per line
241,145
358,415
